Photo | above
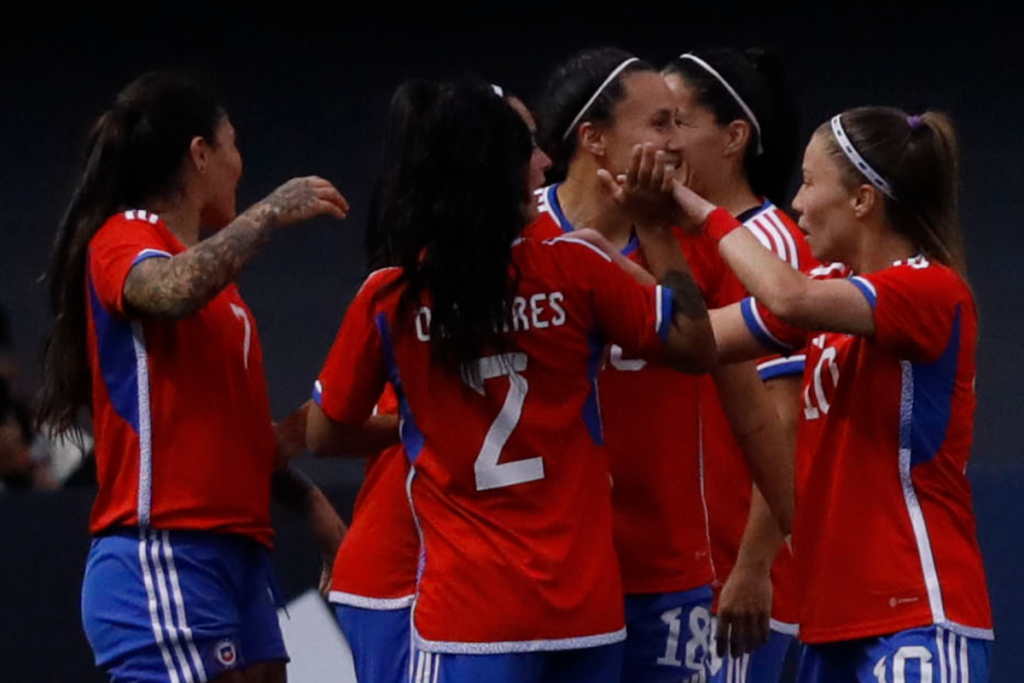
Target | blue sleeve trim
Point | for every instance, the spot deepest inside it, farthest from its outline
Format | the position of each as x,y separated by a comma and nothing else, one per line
757,328
783,367
666,308
148,254
318,393
867,289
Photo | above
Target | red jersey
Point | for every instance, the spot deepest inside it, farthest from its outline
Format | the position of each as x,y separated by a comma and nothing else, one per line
180,407
375,567
884,527
510,486
727,479
652,432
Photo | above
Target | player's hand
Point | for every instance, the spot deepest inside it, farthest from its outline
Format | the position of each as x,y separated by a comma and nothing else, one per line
301,199
290,435
326,573
644,191
693,208
328,528
744,612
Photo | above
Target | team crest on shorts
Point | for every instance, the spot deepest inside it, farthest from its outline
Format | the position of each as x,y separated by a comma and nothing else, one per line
226,653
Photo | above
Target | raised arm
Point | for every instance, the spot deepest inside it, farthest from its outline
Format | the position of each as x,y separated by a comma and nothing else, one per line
179,286
833,305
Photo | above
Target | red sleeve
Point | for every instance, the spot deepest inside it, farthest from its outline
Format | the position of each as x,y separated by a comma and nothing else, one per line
914,306
352,379
115,249
634,316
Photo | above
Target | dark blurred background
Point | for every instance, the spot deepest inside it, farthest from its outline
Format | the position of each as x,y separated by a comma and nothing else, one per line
307,88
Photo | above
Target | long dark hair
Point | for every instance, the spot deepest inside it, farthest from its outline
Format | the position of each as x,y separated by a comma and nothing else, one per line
134,153
404,118
759,78
457,209
567,90
919,157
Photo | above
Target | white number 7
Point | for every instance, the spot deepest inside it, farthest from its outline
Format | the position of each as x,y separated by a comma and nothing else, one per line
241,315
489,473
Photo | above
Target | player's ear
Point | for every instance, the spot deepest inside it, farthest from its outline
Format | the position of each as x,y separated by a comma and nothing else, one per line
865,199
591,138
199,151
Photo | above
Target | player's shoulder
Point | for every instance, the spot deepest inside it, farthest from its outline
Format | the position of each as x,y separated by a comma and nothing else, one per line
133,223
378,280
776,231
928,276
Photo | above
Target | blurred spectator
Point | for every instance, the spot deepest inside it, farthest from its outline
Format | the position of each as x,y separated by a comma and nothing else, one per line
29,460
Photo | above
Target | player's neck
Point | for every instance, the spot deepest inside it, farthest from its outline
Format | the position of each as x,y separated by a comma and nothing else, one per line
587,205
879,250
180,217
734,195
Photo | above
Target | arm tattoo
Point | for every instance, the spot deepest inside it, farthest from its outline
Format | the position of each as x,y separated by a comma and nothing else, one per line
689,302
178,287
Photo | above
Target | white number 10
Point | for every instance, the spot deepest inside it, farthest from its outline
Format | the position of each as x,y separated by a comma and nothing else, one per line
489,473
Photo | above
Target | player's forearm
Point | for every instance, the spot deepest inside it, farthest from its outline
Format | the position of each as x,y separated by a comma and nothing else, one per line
181,285
325,437
760,436
762,537
781,288
691,344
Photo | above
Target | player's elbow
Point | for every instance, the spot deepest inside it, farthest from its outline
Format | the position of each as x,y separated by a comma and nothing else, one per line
691,349
320,433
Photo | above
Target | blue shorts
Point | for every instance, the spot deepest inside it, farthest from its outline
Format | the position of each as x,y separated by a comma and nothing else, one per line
379,640
668,637
589,665
179,606
763,665
930,654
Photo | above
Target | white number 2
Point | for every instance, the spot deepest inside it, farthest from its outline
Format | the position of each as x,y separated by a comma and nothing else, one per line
899,664
489,473
244,317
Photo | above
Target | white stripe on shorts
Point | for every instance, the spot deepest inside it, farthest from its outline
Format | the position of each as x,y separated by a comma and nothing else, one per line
179,602
147,579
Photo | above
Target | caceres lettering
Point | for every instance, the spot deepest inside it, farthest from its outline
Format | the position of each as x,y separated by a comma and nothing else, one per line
534,312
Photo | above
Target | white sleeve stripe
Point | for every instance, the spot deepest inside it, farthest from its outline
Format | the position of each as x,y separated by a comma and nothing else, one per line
657,309
575,240
827,270
799,358
780,246
759,234
794,254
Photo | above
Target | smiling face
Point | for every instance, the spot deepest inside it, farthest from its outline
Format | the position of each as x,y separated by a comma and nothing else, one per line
219,177
645,115
826,205
702,139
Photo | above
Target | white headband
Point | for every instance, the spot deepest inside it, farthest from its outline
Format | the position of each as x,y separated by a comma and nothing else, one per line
735,95
856,159
597,93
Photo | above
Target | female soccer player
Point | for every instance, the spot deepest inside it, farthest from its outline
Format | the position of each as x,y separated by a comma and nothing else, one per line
889,564
739,141
596,108
374,580
492,343
151,334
